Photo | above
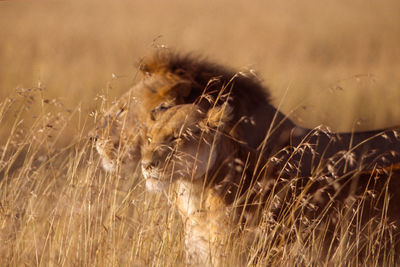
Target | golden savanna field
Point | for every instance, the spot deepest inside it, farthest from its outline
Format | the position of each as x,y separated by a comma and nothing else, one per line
63,64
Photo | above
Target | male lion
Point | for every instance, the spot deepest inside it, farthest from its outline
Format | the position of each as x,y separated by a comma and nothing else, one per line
221,185
170,79
258,147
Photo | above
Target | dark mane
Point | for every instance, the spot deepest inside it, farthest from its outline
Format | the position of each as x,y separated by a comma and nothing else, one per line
204,74
250,99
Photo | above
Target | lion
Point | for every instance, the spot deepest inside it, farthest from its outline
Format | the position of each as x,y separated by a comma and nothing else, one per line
117,135
231,123
170,79
183,153
220,184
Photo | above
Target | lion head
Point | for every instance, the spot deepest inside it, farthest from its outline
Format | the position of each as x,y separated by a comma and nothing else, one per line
182,144
117,135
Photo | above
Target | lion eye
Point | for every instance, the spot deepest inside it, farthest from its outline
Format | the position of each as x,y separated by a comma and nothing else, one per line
159,109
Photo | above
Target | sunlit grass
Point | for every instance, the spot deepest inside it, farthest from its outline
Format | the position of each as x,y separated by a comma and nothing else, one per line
58,207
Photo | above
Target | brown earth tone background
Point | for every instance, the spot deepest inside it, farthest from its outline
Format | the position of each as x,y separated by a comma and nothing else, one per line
333,63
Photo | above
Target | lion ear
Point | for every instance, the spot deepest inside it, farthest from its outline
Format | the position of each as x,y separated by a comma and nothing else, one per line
219,116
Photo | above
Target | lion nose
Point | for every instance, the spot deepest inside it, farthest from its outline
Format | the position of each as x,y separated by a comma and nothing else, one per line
147,165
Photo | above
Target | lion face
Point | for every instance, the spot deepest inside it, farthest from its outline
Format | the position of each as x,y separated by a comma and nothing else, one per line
118,133
116,137
181,144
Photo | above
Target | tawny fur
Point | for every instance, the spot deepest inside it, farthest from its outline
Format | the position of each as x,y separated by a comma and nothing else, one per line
256,146
187,155
239,186
170,79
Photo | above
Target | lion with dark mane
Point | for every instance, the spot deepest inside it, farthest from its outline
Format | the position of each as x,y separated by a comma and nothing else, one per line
211,138
170,79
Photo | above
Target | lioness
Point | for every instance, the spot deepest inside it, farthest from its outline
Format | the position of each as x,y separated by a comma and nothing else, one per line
186,151
220,184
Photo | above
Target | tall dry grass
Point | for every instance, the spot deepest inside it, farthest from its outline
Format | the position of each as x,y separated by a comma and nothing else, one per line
333,63
59,208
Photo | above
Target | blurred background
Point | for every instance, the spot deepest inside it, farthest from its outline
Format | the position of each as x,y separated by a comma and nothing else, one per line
62,63
335,63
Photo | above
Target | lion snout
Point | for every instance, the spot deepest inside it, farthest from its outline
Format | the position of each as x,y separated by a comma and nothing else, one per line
150,169
149,165
151,174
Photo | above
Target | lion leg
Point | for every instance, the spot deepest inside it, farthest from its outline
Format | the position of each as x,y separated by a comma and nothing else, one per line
206,223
